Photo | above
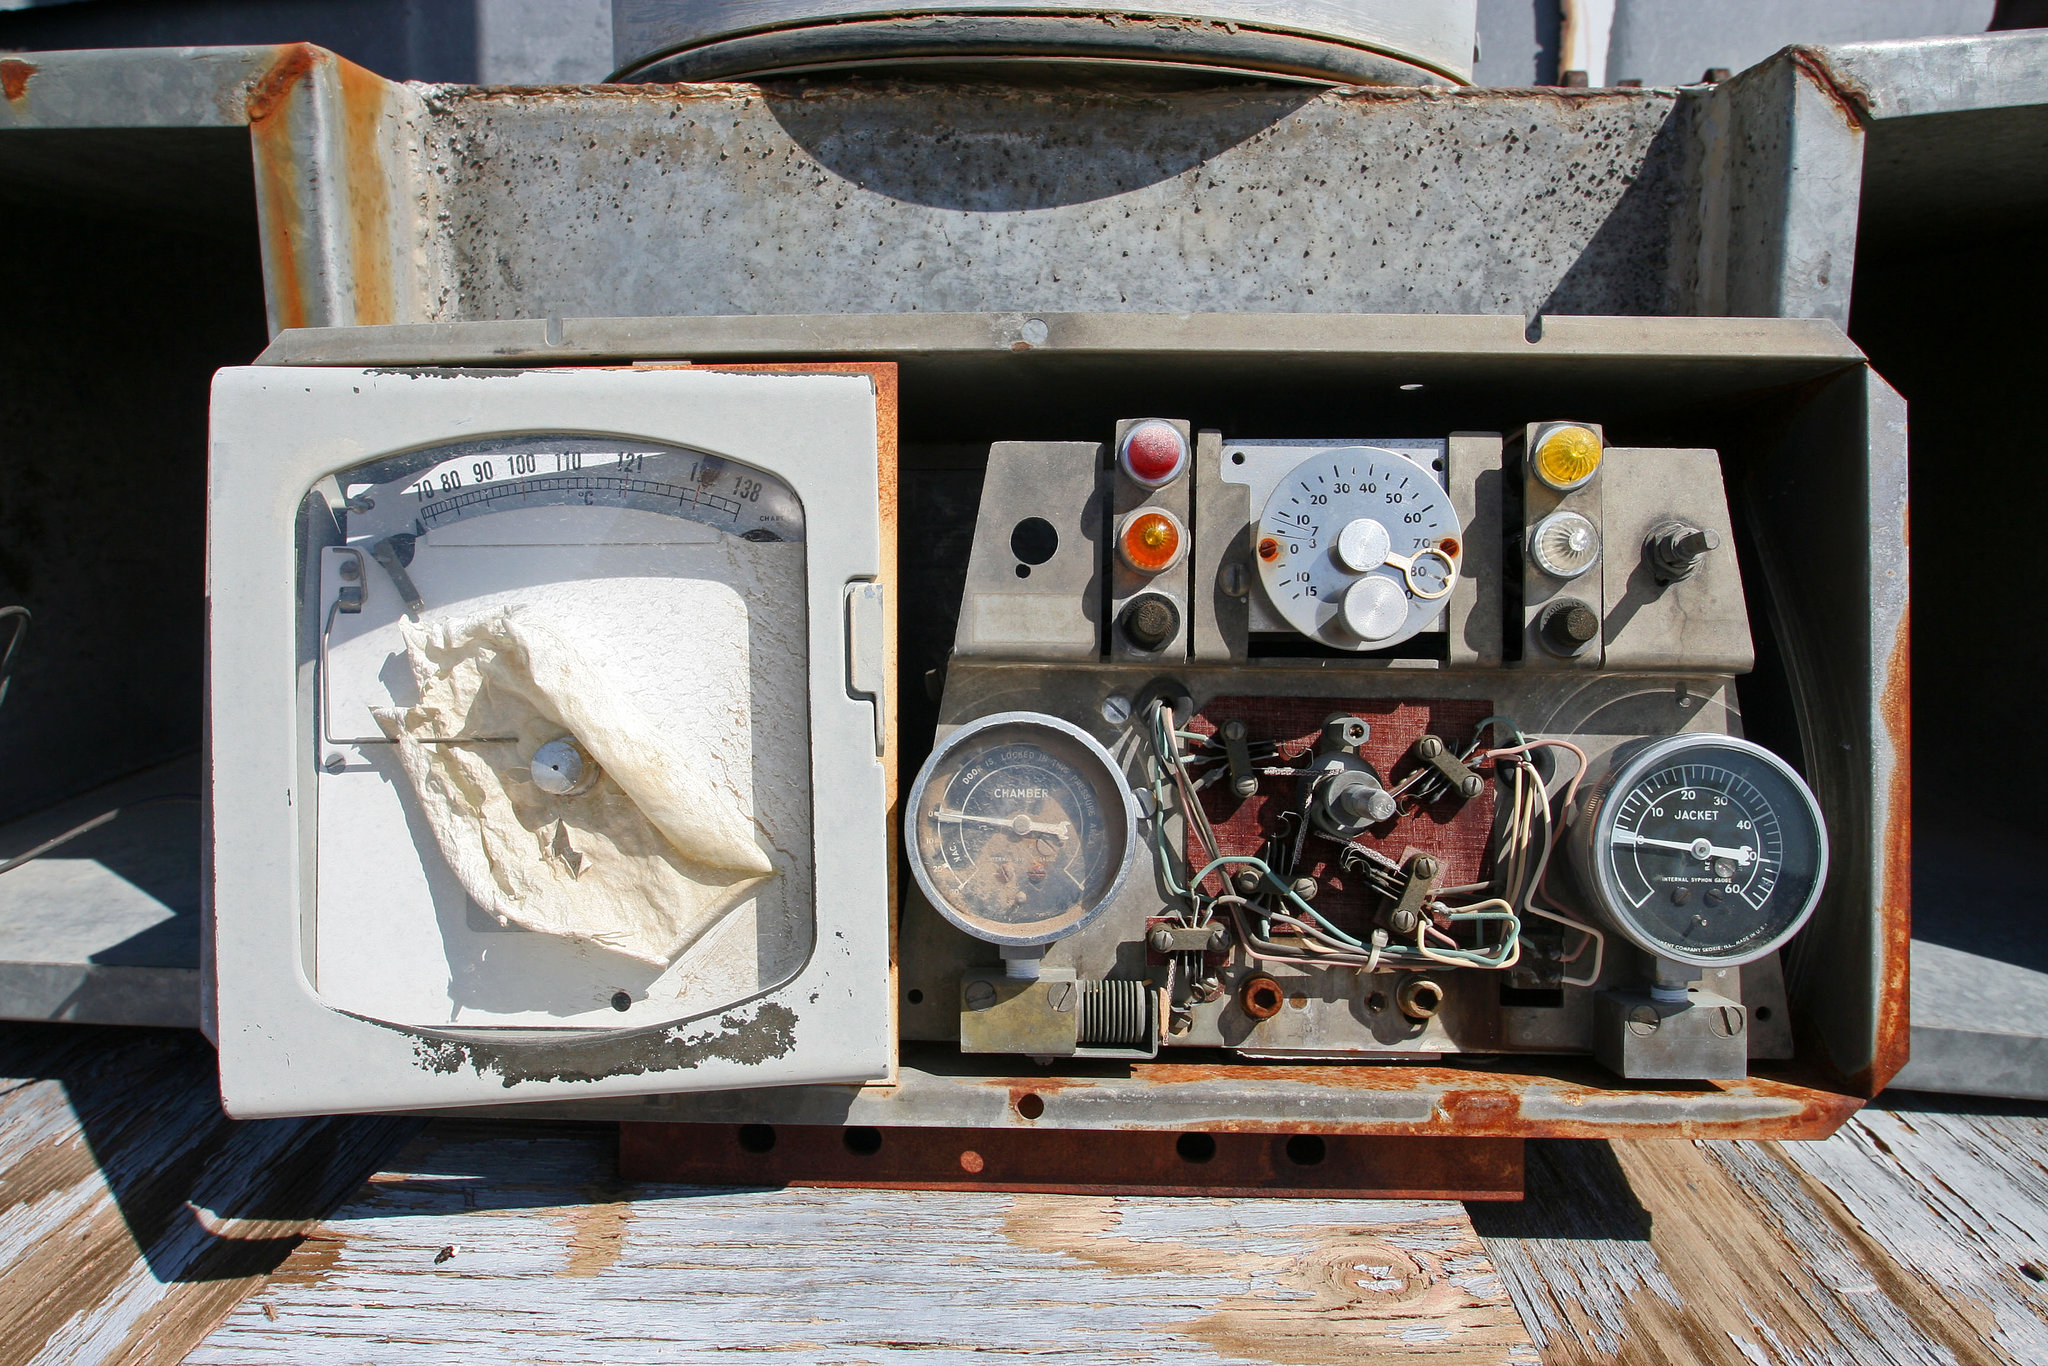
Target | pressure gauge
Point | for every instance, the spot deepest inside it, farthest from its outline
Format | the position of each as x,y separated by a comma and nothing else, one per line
1702,849
1358,548
1021,828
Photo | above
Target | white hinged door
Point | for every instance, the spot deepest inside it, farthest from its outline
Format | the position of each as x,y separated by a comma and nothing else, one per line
526,690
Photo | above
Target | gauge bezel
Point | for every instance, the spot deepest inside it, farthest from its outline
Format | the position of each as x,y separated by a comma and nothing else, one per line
1594,846
945,749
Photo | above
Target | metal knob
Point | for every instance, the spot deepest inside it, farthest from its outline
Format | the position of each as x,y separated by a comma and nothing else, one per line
1675,549
1568,626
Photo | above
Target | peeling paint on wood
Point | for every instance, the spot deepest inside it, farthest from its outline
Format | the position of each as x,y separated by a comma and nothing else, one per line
133,1213
677,1273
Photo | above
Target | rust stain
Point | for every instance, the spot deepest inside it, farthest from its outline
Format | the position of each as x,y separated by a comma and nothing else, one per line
268,107
14,78
371,249
1895,907
1496,1103
1849,98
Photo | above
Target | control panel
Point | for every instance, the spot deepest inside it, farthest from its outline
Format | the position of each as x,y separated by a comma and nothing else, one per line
1370,747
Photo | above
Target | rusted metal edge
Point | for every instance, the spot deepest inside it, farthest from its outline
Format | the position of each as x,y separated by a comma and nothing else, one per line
1420,337
319,128
1074,1162
1562,1100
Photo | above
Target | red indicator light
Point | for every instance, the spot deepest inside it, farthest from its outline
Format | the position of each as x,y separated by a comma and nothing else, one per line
1153,453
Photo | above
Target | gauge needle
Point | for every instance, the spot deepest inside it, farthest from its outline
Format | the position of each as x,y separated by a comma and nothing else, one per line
1021,825
1699,849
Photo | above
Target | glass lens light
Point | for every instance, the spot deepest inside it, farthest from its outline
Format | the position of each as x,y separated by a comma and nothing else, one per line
1151,542
1565,545
1567,456
1153,453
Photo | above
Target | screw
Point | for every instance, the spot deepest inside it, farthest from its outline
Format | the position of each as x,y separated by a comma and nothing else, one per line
1233,730
1425,867
1162,940
1247,882
349,570
1180,1023
1116,709
1403,921
1206,990
1233,579
1305,888
334,763
1429,747
980,995
1643,1021
1471,786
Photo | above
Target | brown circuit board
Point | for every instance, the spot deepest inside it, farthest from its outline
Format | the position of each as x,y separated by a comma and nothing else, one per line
1456,832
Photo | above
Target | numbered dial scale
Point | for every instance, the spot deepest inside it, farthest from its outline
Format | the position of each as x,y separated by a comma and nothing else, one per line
1021,828
420,493
1358,548
1703,849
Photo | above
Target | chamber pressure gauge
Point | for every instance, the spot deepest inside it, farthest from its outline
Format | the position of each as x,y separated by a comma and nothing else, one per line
1021,828
1358,548
1702,849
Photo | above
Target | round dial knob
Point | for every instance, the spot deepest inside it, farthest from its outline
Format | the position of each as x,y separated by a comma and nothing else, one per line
1357,548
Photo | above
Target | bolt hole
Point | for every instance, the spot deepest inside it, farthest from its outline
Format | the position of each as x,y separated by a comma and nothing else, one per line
862,1141
621,1001
1195,1147
1237,457
1023,571
1306,1150
916,997
1031,1106
1376,1002
1763,1012
1034,540
756,1138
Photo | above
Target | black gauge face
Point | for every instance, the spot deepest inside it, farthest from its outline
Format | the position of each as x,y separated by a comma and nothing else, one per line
1709,850
1019,831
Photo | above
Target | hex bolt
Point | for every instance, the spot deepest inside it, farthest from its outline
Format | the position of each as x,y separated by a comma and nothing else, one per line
1419,998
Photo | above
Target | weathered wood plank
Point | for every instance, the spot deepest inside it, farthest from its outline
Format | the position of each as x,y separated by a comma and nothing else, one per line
133,1213
1954,1208
547,1266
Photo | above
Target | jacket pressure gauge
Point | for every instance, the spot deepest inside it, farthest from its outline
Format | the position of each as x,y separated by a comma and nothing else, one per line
1702,849
1358,548
1021,828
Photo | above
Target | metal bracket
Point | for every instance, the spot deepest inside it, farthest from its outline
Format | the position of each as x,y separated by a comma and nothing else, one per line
866,650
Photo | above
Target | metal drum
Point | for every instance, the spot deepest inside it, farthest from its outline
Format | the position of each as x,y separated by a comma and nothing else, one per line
1352,42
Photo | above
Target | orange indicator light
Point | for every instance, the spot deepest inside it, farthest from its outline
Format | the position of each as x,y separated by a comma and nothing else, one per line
1151,542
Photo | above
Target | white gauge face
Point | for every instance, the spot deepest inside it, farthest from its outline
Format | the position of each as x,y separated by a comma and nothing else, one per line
1019,828
1358,548
1709,850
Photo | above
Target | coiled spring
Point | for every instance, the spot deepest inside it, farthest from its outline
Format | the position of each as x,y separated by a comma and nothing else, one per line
1114,1014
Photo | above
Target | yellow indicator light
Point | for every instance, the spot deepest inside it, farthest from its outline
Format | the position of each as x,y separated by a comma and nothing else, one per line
1150,543
1567,457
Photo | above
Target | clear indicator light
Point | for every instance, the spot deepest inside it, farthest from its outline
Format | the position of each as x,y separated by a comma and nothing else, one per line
1565,545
